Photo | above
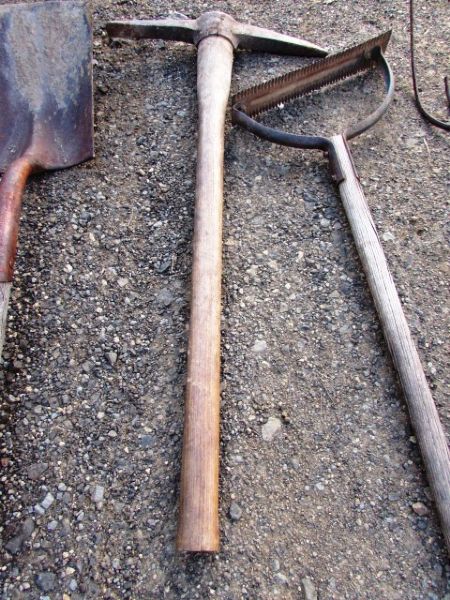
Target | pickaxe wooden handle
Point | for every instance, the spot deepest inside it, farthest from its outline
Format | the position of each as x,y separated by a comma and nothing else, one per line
216,35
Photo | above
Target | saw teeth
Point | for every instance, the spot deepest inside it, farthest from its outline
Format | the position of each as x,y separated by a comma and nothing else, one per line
343,68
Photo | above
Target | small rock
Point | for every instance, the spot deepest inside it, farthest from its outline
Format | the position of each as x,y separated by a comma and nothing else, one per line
147,441
165,297
68,268
36,470
112,357
163,266
235,511
259,346
122,282
387,236
47,501
39,510
98,493
52,525
14,545
281,578
420,509
271,428
309,589
46,581
73,585
324,223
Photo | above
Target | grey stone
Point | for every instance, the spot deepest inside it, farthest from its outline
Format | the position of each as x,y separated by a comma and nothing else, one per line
165,297
36,470
235,511
420,509
98,493
46,581
309,589
259,346
112,357
73,585
147,441
281,578
271,428
47,501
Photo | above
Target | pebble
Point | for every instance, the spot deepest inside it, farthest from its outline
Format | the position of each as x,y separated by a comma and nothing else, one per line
46,581
165,297
47,501
387,236
271,428
14,545
36,470
73,585
235,511
281,578
309,589
122,282
420,509
98,493
259,346
147,441
52,525
324,223
112,358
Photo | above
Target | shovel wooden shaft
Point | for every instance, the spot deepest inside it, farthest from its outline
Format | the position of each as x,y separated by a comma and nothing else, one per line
198,528
11,190
424,416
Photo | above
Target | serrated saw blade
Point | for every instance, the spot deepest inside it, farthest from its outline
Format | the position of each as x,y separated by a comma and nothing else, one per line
321,73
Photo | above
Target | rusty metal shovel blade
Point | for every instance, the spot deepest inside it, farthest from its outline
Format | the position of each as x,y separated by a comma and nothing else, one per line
46,117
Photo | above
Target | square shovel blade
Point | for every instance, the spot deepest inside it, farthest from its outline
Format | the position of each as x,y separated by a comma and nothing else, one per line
46,84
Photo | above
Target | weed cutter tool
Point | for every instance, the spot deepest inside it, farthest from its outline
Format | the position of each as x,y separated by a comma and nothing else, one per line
46,108
216,36
422,410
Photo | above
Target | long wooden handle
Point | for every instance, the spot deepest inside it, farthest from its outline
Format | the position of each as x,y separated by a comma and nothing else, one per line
424,416
198,529
11,191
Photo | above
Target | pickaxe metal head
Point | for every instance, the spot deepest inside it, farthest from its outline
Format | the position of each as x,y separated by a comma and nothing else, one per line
247,37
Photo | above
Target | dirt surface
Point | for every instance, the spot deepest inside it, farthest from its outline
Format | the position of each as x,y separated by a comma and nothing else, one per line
329,500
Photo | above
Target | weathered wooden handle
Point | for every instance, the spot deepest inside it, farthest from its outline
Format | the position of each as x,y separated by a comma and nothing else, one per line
198,529
424,416
11,191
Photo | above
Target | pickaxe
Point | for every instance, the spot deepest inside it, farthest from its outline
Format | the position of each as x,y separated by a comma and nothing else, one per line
216,36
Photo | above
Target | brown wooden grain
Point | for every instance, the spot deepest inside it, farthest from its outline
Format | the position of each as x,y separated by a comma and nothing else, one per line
199,503
424,416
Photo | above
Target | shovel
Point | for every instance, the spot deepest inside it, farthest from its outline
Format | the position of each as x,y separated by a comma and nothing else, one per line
46,119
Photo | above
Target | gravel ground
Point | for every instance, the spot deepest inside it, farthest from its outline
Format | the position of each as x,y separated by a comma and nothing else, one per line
322,487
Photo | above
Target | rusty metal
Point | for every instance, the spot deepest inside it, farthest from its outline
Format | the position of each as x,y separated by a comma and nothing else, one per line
425,114
46,116
214,23
294,84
